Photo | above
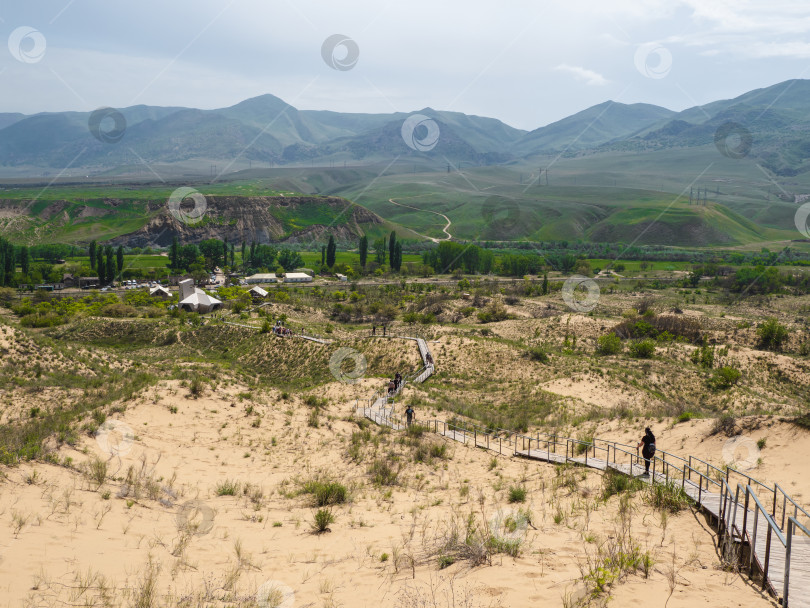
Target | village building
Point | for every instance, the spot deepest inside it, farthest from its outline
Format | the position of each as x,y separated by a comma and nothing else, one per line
193,299
297,277
257,293
262,277
160,292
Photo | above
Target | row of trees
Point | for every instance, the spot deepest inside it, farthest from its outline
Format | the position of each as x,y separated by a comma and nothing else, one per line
392,247
106,261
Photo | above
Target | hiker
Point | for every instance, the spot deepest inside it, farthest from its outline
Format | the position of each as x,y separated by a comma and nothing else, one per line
373,330
648,451
429,359
391,388
409,413
398,379
383,331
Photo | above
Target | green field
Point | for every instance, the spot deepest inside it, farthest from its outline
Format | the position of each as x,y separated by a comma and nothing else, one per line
640,198
131,261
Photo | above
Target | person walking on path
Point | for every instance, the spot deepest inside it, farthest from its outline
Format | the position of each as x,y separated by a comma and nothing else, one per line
383,331
373,330
648,451
409,415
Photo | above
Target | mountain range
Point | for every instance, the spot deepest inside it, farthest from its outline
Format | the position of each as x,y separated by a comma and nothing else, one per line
770,124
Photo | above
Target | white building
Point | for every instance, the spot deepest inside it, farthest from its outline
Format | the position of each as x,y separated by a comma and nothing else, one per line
297,277
257,293
193,299
265,277
342,277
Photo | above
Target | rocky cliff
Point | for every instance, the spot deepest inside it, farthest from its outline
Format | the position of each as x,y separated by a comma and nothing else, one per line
265,219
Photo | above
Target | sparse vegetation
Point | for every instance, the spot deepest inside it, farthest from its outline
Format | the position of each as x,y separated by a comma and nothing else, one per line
321,520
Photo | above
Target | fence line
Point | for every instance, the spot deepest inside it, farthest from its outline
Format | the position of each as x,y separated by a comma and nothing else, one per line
780,553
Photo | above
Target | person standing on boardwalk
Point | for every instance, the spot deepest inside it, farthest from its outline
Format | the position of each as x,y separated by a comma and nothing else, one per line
648,451
383,330
373,330
409,414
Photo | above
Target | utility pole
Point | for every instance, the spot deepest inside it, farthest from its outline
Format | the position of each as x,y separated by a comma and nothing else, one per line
690,194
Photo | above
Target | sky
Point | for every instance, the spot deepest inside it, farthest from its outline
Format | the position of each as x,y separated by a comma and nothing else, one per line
527,63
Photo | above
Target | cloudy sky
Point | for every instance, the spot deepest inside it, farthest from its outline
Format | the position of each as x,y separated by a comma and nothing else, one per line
525,62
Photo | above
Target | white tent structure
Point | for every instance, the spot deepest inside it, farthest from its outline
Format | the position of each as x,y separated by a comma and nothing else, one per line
159,292
193,299
257,293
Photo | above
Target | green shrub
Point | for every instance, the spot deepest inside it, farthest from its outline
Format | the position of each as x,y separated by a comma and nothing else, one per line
642,349
325,493
228,488
610,344
38,320
118,311
614,482
517,494
196,387
322,519
726,424
668,497
538,353
382,473
725,377
772,335
703,356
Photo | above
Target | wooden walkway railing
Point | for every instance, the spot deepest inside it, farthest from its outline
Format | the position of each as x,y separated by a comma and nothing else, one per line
762,531
379,408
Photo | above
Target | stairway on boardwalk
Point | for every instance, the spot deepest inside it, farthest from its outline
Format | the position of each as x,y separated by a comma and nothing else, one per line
379,408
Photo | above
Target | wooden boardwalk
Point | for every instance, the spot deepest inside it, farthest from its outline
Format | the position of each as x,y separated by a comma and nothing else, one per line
756,531
379,410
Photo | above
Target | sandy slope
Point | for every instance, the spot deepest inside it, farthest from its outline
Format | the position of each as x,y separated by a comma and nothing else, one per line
71,529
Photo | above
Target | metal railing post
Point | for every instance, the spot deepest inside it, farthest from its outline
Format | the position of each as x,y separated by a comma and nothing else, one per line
753,544
788,546
767,557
